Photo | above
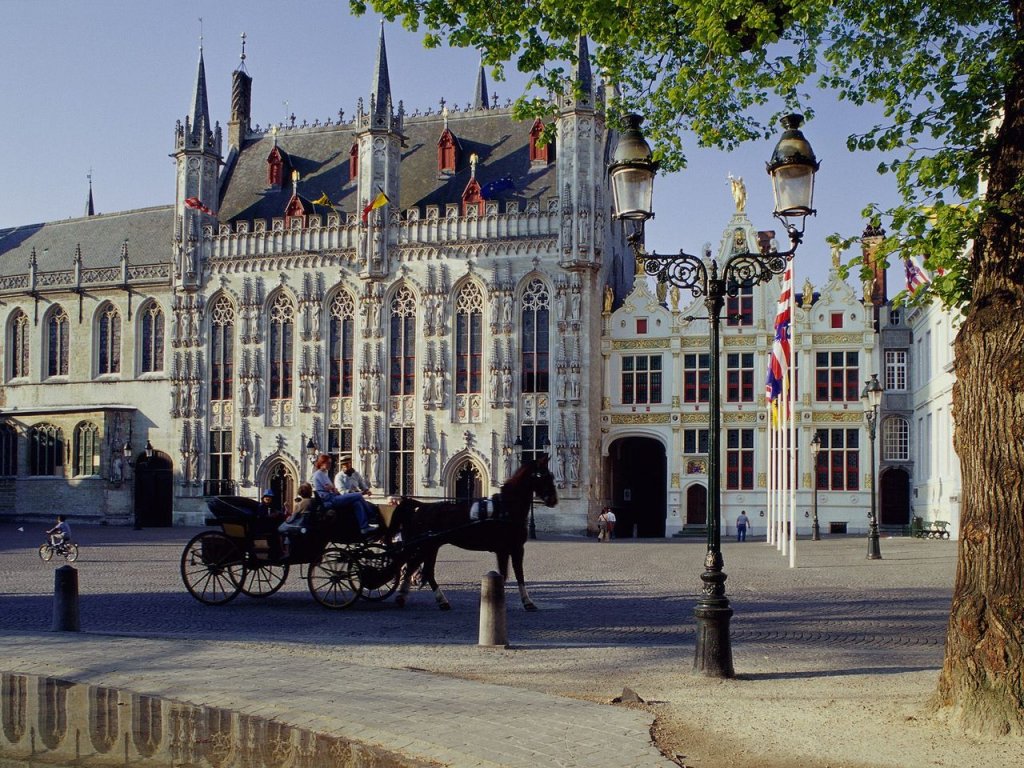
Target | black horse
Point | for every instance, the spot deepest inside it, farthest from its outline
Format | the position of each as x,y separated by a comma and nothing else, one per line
500,528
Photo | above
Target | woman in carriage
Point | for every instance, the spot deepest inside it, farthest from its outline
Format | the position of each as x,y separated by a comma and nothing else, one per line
332,499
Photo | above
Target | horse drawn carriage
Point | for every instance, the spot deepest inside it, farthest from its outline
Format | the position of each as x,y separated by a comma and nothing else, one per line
342,565
246,556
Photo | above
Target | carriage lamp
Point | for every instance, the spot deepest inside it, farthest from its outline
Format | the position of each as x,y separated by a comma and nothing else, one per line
631,174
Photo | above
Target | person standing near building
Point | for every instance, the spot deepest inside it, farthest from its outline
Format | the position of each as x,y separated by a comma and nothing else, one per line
742,523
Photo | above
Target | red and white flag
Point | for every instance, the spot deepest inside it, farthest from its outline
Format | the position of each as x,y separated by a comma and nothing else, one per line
196,204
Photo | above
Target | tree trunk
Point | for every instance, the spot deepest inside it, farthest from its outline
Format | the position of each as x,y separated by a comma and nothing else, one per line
981,687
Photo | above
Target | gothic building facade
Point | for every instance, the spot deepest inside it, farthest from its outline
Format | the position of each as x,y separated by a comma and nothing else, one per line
422,291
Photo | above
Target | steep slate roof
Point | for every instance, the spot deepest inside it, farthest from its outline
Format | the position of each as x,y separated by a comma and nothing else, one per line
321,156
148,231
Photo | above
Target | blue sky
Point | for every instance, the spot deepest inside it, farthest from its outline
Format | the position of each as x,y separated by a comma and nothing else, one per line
99,85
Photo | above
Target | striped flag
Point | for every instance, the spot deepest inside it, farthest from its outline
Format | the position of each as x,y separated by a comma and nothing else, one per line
779,357
917,278
196,204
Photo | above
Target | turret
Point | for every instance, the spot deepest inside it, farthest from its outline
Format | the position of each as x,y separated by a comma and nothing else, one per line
241,99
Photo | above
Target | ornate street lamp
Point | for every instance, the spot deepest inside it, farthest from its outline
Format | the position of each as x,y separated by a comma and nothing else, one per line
311,450
872,398
815,450
792,168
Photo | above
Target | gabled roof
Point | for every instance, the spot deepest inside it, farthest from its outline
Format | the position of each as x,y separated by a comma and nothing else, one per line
147,230
321,156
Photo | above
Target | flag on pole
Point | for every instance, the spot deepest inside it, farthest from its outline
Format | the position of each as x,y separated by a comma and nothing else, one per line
917,278
324,200
500,185
378,202
196,204
779,357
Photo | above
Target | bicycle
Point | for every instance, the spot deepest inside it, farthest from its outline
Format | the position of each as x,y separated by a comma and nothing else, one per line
67,549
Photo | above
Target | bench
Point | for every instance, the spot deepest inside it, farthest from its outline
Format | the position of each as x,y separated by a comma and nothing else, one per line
932,529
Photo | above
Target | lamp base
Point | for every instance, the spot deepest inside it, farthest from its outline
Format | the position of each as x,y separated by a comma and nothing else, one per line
713,656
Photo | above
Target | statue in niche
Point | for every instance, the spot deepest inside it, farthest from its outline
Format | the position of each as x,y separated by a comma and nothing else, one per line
609,298
117,468
574,384
576,302
428,386
560,315
506,310
375,391
495,385
573,467
506,379
556,465
193,395
364,391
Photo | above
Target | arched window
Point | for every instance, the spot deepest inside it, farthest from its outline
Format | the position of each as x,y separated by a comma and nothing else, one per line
58,339
353,162
18,345
109,340
343,310
87,449
535,343
896,439
222,343
282,328
152,338
45,450
403,342
8,450
469,305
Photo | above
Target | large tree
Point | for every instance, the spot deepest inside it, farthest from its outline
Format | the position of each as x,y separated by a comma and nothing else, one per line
949,76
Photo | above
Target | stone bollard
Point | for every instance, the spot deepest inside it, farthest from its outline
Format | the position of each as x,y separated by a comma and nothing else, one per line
65,600
493,624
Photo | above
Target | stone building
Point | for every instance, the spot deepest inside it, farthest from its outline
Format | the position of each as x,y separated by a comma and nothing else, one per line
421,290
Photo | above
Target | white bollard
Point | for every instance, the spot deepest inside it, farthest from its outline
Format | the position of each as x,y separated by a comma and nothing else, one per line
65,600
493,623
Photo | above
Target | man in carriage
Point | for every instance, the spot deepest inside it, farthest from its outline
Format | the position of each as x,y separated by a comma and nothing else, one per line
328,493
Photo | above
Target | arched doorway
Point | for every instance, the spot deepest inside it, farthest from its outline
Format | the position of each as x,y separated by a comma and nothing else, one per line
895,502
468,481
154,490
697,505
638,479
281,481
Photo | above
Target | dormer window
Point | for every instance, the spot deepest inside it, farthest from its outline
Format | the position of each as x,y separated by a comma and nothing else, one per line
472,199
353,162
540,154
447,153
277,162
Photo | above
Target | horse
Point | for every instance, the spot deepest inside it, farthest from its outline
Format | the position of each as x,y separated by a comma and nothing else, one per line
502,529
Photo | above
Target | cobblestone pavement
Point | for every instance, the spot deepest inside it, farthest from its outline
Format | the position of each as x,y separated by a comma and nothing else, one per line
636,596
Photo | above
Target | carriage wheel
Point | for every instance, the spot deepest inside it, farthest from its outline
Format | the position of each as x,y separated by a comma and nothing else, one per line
334,579
262,579
71,552
378,572
45,553
211,567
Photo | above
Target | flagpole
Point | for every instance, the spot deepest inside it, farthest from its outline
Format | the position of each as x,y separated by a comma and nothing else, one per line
791,379
770,491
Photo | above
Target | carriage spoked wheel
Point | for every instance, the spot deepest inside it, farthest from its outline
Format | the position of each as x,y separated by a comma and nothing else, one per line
378,571
212,568
262,579
334,578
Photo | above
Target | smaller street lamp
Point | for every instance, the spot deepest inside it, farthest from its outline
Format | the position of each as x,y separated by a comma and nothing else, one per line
311,450
815,450
872,397
150,450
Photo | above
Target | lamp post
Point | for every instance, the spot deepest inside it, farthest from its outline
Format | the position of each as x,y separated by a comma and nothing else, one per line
792,168
815,450
872,397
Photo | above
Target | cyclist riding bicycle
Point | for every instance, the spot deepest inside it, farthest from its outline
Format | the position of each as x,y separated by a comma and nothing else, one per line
60,533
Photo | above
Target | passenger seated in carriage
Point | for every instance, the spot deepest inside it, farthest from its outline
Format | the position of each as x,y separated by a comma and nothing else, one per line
331,499
296,521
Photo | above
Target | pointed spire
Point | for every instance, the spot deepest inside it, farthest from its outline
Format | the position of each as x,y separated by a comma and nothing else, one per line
480,97
90,209
199,115
582,76
381,94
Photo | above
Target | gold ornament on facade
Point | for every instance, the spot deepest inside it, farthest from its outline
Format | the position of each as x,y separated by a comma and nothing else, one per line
641,418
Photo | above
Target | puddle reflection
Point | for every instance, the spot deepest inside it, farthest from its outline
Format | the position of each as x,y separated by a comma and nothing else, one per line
56,723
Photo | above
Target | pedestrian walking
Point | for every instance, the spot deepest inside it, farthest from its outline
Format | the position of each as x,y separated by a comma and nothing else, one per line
742,524
602,525
610,524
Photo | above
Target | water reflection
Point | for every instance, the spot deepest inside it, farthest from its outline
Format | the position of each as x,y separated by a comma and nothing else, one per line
68,724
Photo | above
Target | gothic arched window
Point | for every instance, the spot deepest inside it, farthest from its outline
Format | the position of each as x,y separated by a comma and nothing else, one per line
535,342
58,339
45,449
87,449
403,342
469,305
109,340
18,345
8,450
343,310
280,354
222,342
152,338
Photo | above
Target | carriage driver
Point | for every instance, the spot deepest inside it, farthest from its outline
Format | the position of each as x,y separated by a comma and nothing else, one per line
349,479
332,499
